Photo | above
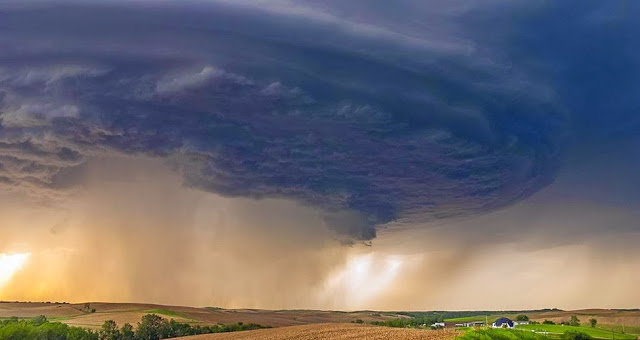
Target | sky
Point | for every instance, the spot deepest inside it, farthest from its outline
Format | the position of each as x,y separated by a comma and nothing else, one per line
405,155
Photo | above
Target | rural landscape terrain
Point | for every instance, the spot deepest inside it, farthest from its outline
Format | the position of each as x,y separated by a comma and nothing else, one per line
317,324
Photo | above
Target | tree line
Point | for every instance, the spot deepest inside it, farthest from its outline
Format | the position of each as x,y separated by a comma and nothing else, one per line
150,327
413,322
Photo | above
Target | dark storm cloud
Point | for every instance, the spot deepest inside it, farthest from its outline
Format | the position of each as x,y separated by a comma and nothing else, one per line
370,112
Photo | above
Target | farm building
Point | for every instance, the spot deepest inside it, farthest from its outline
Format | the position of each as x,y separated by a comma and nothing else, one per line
503,323
470,324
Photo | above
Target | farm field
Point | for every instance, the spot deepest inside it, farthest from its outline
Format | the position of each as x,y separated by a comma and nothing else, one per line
598,333
76,315
501,334
332,331
608,320
321,323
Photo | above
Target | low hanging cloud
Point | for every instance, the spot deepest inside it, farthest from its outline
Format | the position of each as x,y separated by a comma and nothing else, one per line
369,121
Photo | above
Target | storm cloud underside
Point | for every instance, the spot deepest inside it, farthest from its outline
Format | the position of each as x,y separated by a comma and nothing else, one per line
283,101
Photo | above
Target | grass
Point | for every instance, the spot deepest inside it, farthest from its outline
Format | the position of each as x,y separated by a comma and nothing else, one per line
165,312
500,334
598,333
59,318
53,318
618,328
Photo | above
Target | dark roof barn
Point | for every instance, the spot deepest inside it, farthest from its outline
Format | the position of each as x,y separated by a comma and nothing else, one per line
500,322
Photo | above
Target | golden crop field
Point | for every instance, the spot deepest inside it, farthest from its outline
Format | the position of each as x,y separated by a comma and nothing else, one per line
332,331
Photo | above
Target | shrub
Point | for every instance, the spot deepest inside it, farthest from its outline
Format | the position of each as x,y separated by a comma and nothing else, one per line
39,320
574,321
575,335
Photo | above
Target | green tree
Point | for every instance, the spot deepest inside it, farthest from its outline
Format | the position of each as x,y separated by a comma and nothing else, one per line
127,332
152,327
77,333
39,320
522,317
574,321
51,331
110,331
593,322
179,329
17,330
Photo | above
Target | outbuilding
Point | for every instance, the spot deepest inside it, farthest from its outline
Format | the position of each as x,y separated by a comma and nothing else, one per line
503,323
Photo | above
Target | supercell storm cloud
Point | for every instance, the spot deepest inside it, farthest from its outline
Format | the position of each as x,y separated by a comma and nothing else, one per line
433,115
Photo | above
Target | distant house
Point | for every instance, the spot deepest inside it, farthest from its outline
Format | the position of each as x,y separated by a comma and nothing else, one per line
503,323
438,325
515,323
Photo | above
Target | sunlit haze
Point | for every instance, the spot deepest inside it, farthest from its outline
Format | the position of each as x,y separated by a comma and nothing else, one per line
9,265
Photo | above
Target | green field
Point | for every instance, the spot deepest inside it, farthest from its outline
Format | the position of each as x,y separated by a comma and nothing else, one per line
500,334
598,333
619,329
